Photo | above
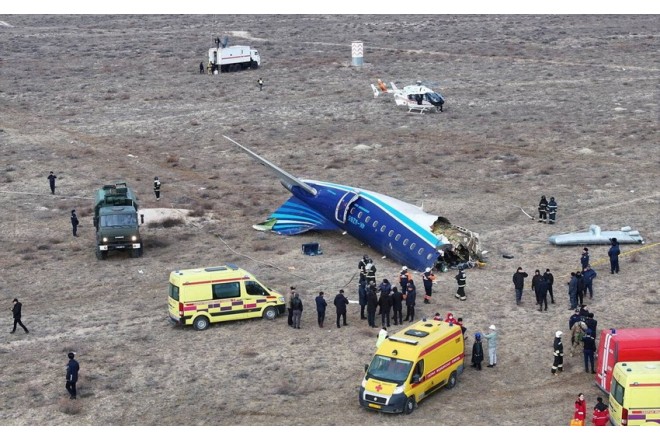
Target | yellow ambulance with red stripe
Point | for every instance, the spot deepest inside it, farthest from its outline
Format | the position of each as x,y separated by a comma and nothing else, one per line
202,296
412,364
635,394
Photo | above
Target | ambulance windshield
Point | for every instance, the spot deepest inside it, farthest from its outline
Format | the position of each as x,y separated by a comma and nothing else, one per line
391,370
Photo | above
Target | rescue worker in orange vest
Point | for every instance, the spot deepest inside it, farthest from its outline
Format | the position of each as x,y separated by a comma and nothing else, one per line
428,278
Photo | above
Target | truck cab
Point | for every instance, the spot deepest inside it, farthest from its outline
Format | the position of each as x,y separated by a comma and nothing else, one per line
116,221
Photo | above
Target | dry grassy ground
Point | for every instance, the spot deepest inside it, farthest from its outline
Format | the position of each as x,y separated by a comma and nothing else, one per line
565,106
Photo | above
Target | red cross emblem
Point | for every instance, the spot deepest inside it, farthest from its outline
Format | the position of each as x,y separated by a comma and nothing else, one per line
379,388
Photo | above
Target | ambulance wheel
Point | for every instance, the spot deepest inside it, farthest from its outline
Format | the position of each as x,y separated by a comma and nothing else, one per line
270,313
201,323
452,380
409,406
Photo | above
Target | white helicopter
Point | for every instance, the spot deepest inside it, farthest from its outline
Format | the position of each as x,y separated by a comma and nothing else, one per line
417,97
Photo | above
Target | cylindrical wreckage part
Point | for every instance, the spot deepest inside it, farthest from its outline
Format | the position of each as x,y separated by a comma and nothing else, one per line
357,51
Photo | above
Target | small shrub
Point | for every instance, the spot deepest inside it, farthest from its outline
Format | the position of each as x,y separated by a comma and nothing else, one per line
172,159
172,222
43,247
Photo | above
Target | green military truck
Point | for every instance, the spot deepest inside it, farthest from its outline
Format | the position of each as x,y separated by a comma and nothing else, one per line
116,221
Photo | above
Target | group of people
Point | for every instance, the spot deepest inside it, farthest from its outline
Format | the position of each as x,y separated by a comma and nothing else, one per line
541,285
548,210
600,416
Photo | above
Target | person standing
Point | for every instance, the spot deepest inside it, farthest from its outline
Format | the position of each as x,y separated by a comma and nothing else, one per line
372,304
16,313
558,352
591,323
260,82
519,283
461,281
477,352
297,307
72,369
552,211
589,348
601,414
201,67
428,278
292,292
362,286
404,277
572,291
74,223
321,304
157,188
385,303
382,336
584,259
550,279
340,303
613,253
580,409
492,346
370,270
397,306
535,279
588,275
543,209
580,287
411,296
541,290
51,179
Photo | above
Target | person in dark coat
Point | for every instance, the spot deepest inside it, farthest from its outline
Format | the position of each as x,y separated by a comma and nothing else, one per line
385,302
550,279
340,303
370,270
428,277
543,209
541,290
260,83
589,348
297,306
16,313
74,223
519,284
51,180
397,306
321,304
572,291
362,286
584,259
411,297
588,275
592,324
576,317
552,211
477,352
290,306
535,279
461,281
580,288
372,304
614,252
558,352
201,67
72,369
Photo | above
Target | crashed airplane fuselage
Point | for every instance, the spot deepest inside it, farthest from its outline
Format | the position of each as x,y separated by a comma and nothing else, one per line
396,229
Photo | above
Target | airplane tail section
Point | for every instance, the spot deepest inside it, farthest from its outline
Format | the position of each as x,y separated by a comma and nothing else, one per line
375,89
295,217
394,88
287,179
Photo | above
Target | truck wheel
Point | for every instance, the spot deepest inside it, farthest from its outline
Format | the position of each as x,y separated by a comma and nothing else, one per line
254,65
201,323
101,255
452,380
409,406
270,313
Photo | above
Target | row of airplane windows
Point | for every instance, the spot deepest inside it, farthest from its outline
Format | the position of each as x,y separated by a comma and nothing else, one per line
391,233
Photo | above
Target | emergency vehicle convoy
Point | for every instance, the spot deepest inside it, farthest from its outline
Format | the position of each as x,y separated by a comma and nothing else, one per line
202,296
616,345
635,394
411,364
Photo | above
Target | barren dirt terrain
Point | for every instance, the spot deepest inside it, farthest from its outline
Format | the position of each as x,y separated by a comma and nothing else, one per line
565,106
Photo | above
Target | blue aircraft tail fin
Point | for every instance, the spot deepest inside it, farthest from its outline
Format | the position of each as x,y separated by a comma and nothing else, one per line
295,217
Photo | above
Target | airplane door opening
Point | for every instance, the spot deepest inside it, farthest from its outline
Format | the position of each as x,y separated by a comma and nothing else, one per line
344,205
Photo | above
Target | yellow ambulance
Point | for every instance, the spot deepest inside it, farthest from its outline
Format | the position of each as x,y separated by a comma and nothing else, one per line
635,394
411,364
202,296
